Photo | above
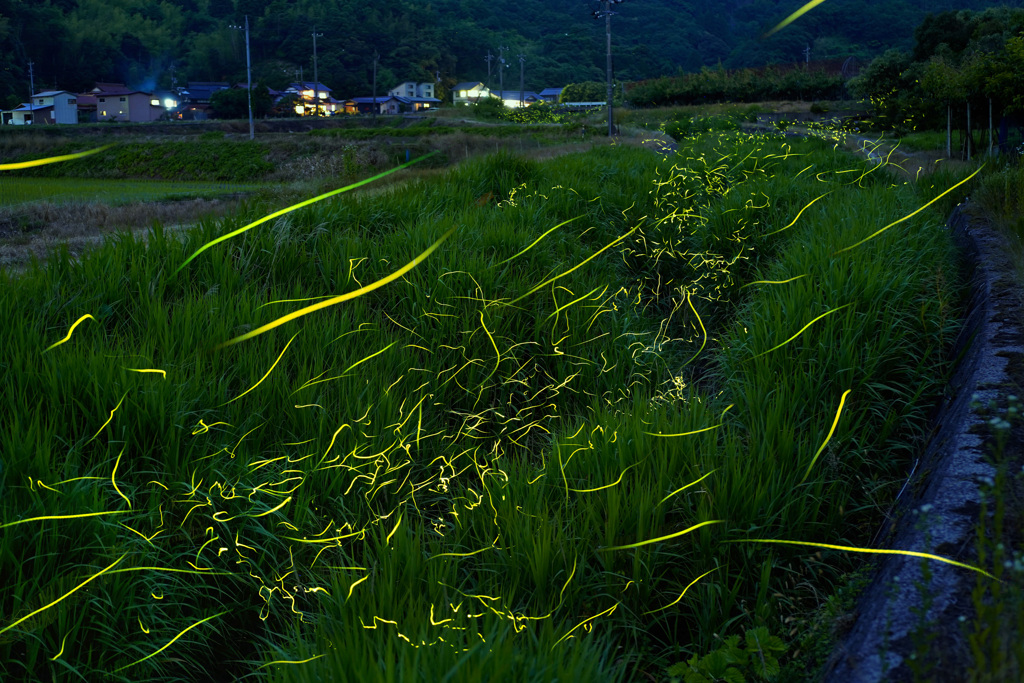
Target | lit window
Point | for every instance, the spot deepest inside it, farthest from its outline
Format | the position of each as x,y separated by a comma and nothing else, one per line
462,93
104,113
155,102
169,103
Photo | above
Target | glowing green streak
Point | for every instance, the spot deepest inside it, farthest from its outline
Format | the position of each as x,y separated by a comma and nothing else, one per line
794,16
662,538
778,346
799,214
872,551
300,205
879,232
535,241
827,438
51,160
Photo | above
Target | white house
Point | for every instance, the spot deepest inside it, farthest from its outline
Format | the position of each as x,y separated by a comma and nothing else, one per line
412,89
469,92
514,99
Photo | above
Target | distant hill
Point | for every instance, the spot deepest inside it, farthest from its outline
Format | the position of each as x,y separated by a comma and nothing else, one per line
148,43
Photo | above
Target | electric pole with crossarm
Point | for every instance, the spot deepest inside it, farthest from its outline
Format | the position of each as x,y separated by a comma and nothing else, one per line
606,14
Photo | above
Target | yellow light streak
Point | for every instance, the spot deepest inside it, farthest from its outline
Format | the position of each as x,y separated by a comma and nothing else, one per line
48,606
109,418
534,243
827,438
577,266
773,282
692,483
688,586
585,621
661,538
879,232
344,297
281,355
162,372
201,621
51,160
84,514
802,329
116,463
77,322
870,551
273,509
299,206
288,661
54,658
775,232
608,486
354,585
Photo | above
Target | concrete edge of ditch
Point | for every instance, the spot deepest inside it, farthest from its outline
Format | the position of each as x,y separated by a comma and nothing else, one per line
900,616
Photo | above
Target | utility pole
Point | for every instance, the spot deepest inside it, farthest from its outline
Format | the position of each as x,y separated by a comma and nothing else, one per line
501,73
489,59
32,88
248,76
522,72
606,13
807,54
373,109
316,77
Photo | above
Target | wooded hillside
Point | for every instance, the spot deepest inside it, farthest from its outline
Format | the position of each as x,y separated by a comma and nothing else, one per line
149,43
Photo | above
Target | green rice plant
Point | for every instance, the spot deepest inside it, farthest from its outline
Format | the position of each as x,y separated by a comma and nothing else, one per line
528,420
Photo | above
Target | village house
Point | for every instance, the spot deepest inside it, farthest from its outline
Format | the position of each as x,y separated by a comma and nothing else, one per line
49,106
389,104
469,93
413,90
117,102
194,103
551,95
312,96
514,99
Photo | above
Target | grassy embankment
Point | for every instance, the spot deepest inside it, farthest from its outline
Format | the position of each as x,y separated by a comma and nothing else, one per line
538,454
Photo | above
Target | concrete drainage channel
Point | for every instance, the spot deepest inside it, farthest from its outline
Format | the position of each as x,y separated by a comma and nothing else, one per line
938,511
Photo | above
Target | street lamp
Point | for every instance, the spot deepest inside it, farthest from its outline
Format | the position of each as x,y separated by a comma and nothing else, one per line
606,14
248,75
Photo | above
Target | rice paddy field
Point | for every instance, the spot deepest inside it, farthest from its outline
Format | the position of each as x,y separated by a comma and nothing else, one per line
613,416
15,191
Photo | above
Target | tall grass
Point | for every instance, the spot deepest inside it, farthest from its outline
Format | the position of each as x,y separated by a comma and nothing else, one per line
528,458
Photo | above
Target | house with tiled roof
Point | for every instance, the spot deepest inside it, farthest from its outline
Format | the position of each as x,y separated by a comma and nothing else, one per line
118,102
194,104
551,95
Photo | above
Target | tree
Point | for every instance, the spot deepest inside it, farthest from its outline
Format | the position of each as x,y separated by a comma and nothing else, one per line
943,82
588,91
233,103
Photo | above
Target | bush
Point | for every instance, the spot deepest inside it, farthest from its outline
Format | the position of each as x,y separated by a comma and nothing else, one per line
490,108
539,112
817,108
685,125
